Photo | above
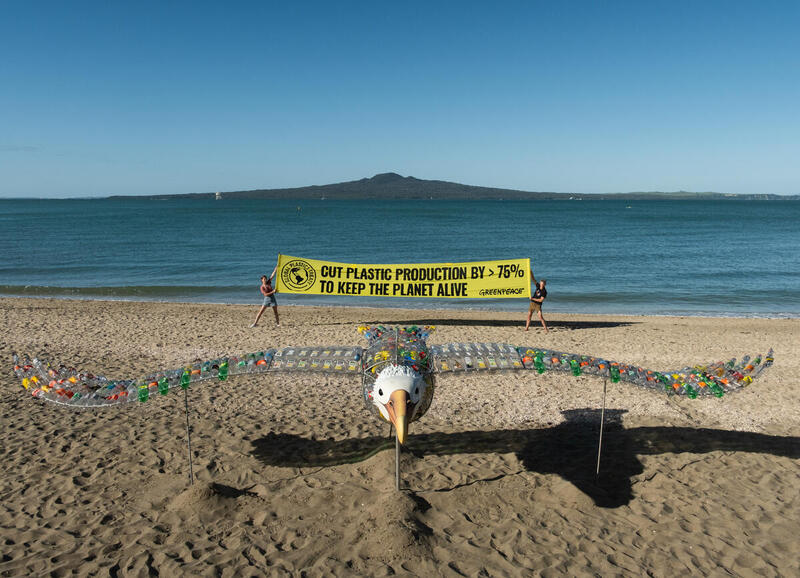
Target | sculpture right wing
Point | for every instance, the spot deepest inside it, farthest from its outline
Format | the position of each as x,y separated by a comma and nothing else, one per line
66,385
330,359
702,379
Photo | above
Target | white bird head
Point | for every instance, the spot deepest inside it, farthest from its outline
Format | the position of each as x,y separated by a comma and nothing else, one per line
397,393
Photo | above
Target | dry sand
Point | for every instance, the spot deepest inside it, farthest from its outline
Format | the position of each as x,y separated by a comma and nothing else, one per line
290,479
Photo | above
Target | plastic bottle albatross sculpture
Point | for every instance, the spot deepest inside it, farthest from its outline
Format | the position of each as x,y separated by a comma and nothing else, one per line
396,370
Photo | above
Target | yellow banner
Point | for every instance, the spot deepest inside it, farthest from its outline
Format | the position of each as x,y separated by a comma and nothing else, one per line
474,280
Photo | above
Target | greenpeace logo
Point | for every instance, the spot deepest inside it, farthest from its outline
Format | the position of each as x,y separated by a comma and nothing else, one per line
510,291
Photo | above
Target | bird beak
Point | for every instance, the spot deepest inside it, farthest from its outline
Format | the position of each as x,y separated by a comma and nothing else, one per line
398,402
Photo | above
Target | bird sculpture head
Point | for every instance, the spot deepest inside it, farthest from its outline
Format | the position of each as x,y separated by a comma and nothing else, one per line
398,376
397,395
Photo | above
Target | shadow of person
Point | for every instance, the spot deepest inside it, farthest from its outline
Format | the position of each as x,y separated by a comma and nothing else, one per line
568,449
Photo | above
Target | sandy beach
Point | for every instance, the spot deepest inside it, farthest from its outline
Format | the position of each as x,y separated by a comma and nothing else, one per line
295,477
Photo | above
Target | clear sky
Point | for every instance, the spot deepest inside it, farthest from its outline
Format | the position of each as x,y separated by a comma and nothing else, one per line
144,97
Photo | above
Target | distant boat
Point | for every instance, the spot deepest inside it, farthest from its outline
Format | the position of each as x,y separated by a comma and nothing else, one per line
217,196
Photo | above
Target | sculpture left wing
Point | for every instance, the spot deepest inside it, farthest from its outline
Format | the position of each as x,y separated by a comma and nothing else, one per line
475,357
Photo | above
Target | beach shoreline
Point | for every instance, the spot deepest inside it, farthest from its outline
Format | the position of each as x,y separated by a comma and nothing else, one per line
501,478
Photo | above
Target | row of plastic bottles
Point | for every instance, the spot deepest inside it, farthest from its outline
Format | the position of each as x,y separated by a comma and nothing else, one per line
66,385
385,351
334,359
374,332
475,356
716,379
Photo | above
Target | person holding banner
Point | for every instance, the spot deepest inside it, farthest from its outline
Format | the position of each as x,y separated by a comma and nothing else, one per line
269,298
536,302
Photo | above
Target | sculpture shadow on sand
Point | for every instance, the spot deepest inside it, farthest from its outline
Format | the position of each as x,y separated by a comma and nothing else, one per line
568,449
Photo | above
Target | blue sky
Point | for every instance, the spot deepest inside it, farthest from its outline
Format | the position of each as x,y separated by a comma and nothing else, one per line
172,97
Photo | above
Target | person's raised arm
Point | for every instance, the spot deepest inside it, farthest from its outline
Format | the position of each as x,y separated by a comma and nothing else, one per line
275,270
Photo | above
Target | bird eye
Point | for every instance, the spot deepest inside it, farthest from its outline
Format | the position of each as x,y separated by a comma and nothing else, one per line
380,392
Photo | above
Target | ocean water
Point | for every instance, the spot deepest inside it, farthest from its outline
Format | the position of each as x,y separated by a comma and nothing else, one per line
717,258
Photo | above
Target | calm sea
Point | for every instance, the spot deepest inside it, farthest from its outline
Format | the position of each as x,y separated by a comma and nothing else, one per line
739,258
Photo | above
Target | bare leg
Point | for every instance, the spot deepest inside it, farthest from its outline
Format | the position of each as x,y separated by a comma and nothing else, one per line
528,320
260,312
275,310
541,318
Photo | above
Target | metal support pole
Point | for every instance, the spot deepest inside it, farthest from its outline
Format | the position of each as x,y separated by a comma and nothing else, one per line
602,421
188,437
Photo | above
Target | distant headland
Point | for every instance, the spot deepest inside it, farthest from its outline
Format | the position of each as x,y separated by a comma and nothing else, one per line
395,186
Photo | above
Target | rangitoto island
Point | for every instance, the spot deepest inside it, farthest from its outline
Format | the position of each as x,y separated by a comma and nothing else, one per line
395,186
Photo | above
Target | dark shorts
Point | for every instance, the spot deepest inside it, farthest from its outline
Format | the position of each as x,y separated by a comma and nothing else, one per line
269,301
535,306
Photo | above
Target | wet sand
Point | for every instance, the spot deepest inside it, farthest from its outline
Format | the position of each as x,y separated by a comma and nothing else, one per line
293,474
